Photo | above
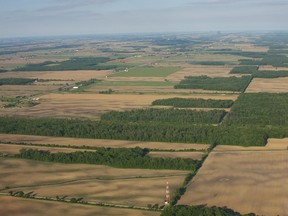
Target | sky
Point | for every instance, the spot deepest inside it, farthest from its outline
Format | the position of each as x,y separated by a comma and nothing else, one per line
21,18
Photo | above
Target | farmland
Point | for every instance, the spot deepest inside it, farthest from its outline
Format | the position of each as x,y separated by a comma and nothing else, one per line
243,173
99,125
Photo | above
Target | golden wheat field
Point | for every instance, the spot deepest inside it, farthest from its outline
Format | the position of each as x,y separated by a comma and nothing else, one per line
65,141
25,207
246,181
200,70
191,155
132,192
92,182
10,91
92,106
276,85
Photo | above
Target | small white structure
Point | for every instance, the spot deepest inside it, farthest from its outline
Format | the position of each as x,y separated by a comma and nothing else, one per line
75,87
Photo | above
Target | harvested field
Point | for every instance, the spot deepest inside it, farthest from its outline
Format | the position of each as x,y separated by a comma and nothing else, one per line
92,182
191,155
200,70
246,181
137,191
251,48
94,105
273,144
25,207
77,75
98,142
277,143
276,85
271,68
14,149
19,172
25,90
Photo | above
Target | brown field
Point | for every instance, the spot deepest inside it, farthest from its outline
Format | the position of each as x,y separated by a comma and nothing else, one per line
14,149
77,75
246,181
98,142
92,106
18,172
25,90
25,207
273,144
191,155
271,68
200,70
149,90
137,191
251,48
92,182
276,85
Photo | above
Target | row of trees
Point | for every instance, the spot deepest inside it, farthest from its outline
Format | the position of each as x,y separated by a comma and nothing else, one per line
116,157
200,211
16,81
217,83
193,103
253,70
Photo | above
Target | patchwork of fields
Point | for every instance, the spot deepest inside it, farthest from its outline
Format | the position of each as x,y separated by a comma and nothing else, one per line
134,103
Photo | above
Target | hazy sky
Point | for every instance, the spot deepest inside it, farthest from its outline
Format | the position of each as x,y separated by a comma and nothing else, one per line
65,17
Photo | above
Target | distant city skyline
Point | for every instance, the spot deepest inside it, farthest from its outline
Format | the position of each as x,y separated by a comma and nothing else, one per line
21,18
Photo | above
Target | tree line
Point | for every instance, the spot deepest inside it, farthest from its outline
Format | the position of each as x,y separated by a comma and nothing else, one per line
193,103
253,70
16,81
200,211
115,157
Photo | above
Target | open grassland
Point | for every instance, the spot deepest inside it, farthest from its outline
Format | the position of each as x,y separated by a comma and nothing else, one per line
24,207
93,183
192,155
14,149
244,180
276,85
45,140
93,105
200,70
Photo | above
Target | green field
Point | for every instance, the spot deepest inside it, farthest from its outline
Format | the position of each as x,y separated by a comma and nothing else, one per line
147,72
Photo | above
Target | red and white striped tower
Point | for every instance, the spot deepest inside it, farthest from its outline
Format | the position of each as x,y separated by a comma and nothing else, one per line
167,196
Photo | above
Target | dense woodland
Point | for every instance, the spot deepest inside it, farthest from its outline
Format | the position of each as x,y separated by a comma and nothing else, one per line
260,109
76,63
218,83
16,81
115,157
200,211
165,116
253,70
193,103
230,134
